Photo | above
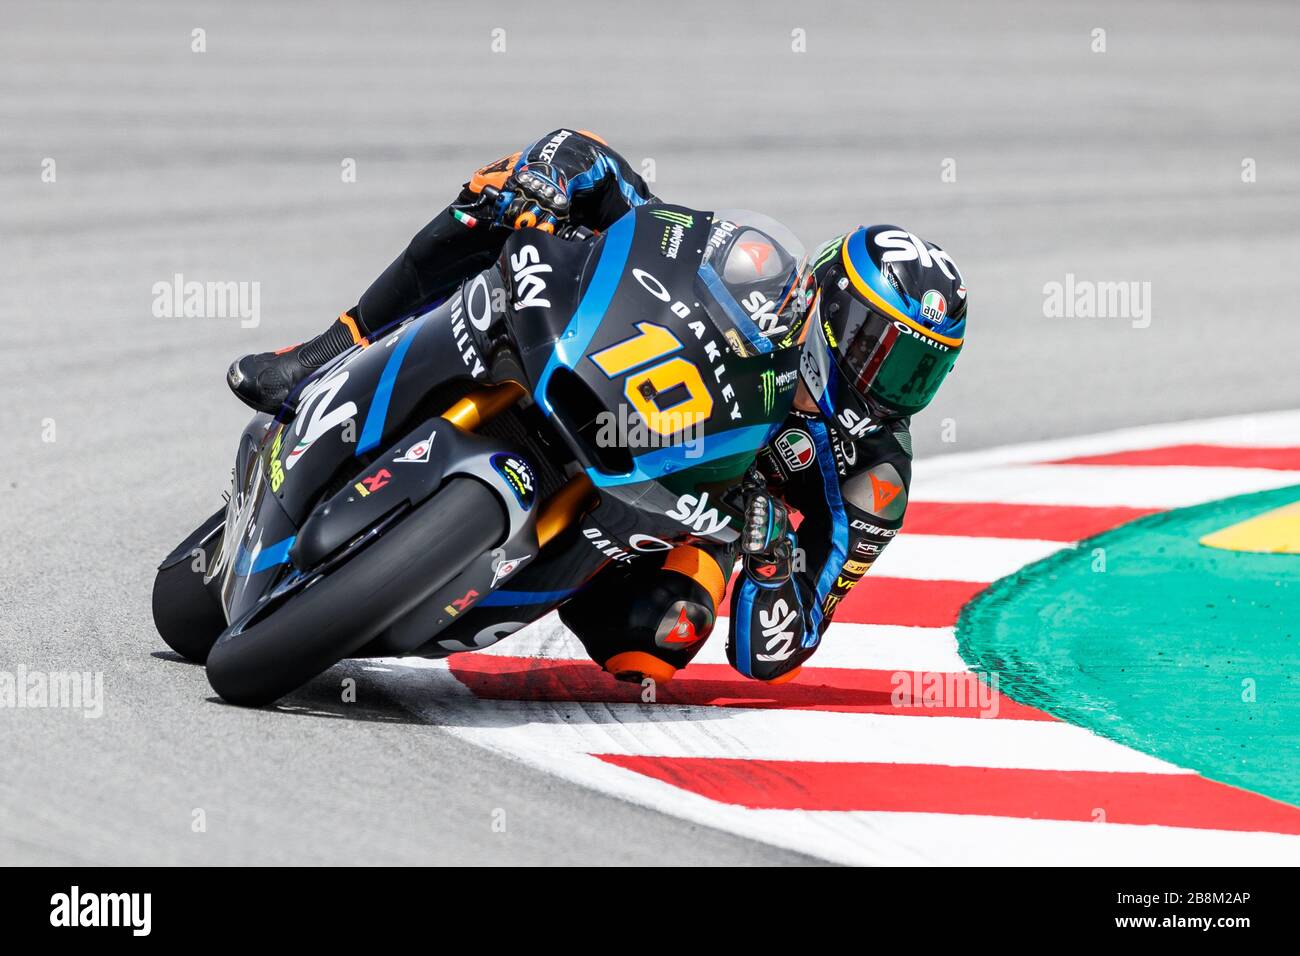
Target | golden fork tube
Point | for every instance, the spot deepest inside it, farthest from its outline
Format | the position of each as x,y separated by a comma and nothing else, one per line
483,404
563,508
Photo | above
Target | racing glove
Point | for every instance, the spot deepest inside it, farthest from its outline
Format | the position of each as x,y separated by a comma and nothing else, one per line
766,540
766,639
537,195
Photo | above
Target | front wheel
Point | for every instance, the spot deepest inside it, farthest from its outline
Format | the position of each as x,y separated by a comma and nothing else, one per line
335,616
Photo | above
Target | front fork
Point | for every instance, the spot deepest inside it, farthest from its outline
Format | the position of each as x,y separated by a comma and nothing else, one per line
575,496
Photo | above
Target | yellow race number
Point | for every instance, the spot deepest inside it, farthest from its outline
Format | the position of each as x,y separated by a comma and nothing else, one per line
669,395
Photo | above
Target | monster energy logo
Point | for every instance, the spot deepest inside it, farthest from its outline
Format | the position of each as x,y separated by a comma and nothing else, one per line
827,251
685,220
769,391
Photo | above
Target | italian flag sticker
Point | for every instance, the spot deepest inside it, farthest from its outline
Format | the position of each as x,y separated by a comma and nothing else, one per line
934,306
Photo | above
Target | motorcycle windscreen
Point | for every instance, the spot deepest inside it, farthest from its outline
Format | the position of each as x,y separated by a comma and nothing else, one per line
750,264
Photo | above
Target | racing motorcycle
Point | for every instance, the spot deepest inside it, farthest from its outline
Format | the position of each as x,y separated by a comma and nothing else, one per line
439,488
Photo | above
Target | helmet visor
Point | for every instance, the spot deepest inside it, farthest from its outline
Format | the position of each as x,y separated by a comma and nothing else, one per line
888,361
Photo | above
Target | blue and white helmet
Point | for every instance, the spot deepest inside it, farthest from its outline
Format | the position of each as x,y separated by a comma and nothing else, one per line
886,319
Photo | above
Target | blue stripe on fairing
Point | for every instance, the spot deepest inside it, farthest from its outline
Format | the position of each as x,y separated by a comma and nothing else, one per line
513,598
572,344
268,557
718,289
377,414
839,530
656,464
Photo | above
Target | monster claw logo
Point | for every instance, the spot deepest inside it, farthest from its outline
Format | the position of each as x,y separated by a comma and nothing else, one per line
769,391
685,220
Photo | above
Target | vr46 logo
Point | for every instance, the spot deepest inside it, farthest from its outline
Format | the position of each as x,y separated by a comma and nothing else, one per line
277,469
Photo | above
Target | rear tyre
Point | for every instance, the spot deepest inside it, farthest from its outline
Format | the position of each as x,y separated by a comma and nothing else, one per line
186,613
339,614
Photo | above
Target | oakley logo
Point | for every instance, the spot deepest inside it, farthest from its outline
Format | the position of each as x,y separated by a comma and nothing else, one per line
648,543
908,330
478,303
657,289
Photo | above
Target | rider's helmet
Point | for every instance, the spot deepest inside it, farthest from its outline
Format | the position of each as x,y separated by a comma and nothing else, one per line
885,320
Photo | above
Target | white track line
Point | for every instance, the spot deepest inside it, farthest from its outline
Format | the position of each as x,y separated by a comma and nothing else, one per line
859,837
881,647
918,839
939,557
677,730
1267,429
1138,486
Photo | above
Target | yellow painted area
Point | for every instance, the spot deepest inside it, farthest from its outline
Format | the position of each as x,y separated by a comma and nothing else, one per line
1275,532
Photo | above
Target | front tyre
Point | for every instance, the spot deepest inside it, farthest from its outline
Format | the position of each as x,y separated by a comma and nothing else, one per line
339,614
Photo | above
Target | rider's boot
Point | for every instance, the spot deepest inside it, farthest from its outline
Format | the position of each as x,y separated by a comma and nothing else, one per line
264,380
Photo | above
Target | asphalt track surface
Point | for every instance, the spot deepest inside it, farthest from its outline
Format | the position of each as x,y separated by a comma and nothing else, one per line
1116,166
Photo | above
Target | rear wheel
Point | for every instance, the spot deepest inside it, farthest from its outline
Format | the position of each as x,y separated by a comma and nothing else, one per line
335,616
186,612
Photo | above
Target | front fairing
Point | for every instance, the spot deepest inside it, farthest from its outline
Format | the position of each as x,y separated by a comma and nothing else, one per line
664,396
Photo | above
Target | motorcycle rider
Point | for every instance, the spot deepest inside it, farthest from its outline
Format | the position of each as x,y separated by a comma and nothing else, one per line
880,315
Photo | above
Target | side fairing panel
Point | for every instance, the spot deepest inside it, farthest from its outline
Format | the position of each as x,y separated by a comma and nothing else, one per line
364,400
